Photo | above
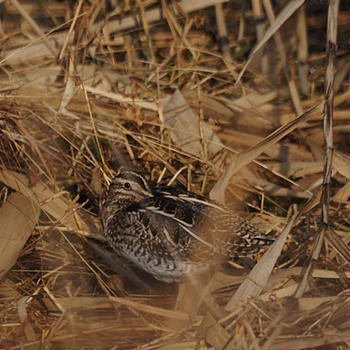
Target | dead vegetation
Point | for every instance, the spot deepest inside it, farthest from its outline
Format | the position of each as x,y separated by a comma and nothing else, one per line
246,102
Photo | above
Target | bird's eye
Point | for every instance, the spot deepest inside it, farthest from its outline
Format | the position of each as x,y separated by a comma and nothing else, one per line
127,185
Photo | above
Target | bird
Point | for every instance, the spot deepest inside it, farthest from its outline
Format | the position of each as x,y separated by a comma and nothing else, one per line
173,233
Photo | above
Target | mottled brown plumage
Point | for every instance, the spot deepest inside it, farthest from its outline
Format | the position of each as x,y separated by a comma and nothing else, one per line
170,232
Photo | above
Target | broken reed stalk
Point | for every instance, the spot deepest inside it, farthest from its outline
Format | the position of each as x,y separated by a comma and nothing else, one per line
303,51
328,137
328,106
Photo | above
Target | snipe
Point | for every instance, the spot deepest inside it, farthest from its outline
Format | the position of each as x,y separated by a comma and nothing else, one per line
170,232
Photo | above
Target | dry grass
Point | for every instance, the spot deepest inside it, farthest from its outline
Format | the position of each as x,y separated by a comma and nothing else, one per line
247,105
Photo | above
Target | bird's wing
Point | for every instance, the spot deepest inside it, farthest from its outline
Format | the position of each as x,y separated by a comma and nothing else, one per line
176,223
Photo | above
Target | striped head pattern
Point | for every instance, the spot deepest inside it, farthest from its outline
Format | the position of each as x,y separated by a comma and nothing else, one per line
130,186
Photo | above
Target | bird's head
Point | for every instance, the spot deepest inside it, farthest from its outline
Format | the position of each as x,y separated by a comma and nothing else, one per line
129,186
